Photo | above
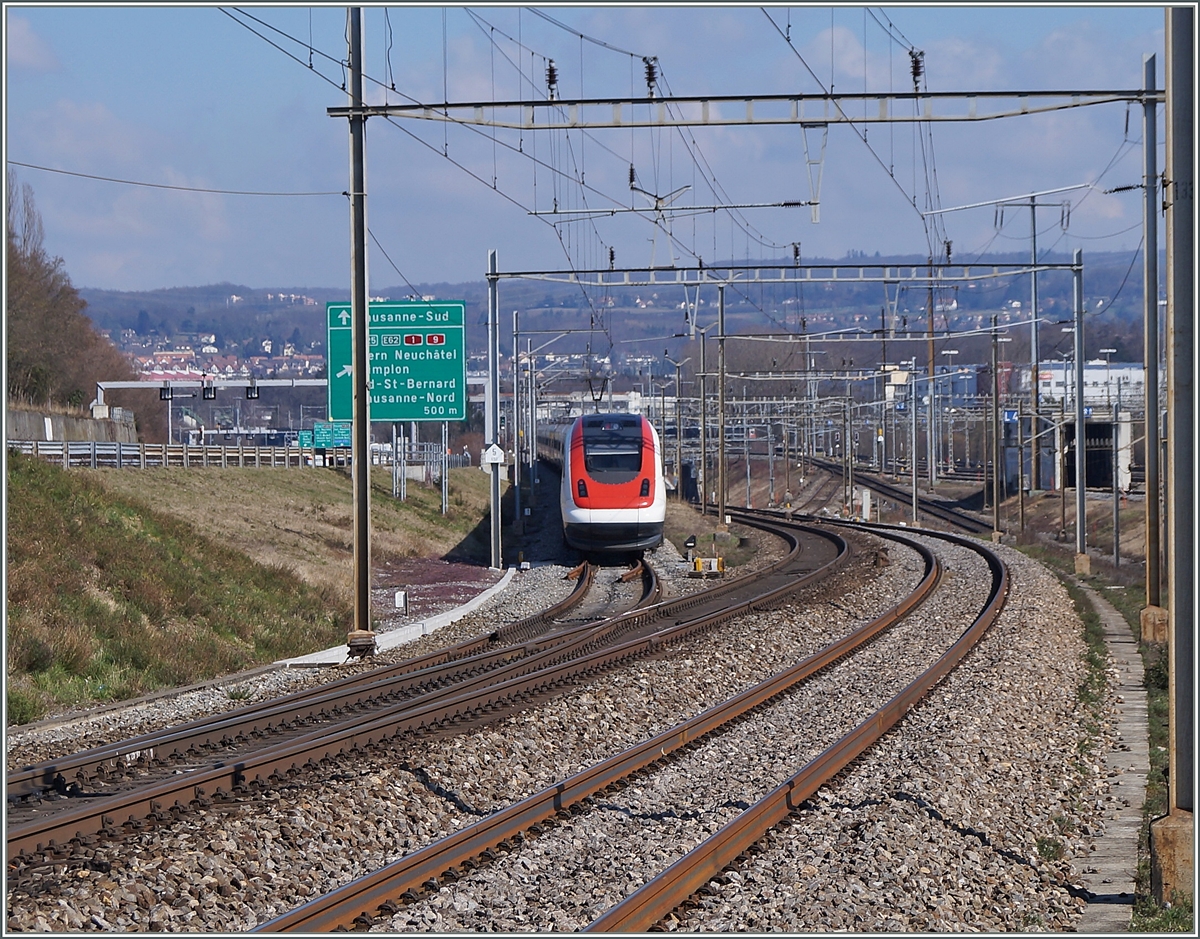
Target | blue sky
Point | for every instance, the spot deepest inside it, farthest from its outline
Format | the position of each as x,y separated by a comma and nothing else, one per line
189,97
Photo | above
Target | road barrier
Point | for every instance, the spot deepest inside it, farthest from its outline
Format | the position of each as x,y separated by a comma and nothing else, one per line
93,454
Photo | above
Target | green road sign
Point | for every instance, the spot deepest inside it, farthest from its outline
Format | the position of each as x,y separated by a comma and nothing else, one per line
304,439
418,361
332,435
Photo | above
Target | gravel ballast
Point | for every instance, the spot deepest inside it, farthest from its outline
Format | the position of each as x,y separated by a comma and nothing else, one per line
976,812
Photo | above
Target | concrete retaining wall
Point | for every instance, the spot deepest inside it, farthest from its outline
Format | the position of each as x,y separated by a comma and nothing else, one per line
37,425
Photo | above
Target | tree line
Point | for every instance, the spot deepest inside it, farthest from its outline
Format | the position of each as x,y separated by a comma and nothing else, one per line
55,356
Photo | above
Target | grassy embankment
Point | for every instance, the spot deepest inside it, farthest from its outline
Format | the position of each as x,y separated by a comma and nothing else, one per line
122,582
735,543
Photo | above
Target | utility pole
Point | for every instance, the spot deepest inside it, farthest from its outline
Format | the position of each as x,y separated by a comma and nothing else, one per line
1062,463
492,430
1172,838
929,436
912,450
1021,465
1082,565
721,404
517,426
1035,456
678,424
995,432
703,426
770,465
850,455
360,464
534,477
746,442
1154,617
1116,487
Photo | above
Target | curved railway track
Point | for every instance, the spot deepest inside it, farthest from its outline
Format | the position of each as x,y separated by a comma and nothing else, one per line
382,893
819,497
934,508
79,796
78,774
657,899
493,673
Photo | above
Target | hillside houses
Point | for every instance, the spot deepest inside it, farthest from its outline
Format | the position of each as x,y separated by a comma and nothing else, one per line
185,360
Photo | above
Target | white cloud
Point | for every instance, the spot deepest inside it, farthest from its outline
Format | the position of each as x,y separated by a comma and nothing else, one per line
26,49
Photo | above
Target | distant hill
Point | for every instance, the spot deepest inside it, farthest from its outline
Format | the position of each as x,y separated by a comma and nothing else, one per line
237,312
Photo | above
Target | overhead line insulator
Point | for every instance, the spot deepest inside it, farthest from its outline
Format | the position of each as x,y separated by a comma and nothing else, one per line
651,73
917,58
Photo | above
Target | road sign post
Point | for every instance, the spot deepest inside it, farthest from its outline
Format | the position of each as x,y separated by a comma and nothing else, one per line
417,353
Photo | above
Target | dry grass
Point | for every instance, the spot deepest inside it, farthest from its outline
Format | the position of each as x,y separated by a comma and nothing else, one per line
301,519
108,597
735,543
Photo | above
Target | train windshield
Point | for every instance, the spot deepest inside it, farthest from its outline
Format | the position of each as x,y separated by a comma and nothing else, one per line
612,448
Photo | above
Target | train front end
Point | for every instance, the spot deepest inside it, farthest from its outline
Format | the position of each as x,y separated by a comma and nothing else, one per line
613,499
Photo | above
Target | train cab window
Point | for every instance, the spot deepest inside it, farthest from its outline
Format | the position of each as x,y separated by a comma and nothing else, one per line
612,449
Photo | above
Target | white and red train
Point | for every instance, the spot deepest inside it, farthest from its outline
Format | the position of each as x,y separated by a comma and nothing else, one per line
612,495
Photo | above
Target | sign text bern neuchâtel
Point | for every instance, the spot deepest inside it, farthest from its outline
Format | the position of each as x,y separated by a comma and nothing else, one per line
417,351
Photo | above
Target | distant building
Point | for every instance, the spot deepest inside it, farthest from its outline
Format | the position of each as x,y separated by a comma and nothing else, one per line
1103,383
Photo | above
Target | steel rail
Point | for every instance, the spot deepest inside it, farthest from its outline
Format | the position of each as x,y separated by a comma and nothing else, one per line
945,513
354,904
823,493
652,588
655,900
322,703
581,654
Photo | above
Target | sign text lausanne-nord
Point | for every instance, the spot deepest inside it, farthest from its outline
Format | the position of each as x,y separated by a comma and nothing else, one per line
417,351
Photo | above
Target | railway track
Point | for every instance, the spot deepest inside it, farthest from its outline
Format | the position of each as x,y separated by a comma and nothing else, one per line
374,899
674,887
468,683
821,495
933,508
79,774
90,789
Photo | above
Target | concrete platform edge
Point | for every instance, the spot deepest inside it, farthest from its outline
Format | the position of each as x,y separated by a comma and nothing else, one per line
1110,873
397,637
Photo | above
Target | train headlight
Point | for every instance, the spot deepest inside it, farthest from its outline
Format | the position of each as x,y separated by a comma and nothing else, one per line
581,488
645,488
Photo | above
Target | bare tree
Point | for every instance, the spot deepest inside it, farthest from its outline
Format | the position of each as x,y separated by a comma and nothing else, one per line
55,355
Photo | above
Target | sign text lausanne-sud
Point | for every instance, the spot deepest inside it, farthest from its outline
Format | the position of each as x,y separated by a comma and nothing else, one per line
417,351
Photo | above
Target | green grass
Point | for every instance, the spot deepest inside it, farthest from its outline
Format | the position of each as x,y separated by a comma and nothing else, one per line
301,519
109,599
1148,916
1050,849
